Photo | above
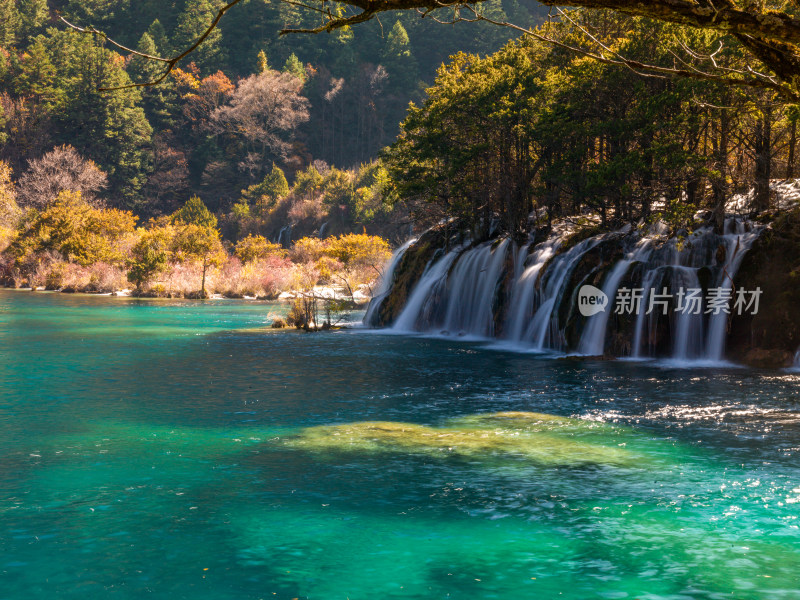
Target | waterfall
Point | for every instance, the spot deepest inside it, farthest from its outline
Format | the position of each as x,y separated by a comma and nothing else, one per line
594,335
736,244
642,315
688,343
460,299
421,297
543,329
527,294
285,236
387,279
470,297
524,290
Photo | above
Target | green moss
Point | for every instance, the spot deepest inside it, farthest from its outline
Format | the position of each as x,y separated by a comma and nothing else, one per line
584,233
541,439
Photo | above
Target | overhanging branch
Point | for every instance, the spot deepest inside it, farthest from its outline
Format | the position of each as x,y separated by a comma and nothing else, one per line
170,62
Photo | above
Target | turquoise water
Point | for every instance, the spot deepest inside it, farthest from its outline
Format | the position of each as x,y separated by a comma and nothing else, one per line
180,450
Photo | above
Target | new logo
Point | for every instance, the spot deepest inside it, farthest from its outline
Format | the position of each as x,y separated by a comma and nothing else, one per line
591,300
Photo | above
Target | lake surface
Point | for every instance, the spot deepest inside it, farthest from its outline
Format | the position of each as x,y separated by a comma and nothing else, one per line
170,449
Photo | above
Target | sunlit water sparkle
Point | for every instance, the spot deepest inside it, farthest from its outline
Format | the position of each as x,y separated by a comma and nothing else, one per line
156,449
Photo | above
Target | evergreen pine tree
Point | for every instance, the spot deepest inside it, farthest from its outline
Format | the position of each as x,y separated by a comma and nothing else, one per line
9,23
192,23
399,61
295,67
109,127
37,75
158,100
158,34
33,16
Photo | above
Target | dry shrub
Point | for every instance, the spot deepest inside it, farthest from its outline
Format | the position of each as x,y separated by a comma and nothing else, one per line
264,278
307,208
274,275
184,280
57,274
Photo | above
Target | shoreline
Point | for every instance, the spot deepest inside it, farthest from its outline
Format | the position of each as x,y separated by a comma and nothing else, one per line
359,300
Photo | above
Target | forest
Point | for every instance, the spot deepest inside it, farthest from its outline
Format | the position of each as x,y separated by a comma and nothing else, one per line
369,129
537,132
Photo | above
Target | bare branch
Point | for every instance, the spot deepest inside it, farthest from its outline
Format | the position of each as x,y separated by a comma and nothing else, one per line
720,16
170,62
334,23
102,35
771,36
644,69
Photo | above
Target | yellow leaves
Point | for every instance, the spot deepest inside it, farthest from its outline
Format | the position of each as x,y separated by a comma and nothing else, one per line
359,249
326,267
308,249
186,79
78,231
352,249
255,247
9,211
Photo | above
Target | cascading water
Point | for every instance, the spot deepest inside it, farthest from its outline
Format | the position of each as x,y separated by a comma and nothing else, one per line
421,298
285,236
471,291
688,343
527,294
387,279
523,298
544,327
594,335
737,243
457,292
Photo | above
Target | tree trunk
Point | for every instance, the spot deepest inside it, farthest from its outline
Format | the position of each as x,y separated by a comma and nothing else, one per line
792,143
203,286
719,184
763,160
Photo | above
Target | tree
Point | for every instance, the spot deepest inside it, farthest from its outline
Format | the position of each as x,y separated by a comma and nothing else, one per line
257,247
150,255
158,34
199,243
61,169
263,63
195,19
263,112
195,212
770,36
397,58
9,23
37,75
295,67
9,211
159,101
109,127
33,16
75,229
265,195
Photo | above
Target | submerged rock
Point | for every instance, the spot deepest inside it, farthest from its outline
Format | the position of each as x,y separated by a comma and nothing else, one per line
545,440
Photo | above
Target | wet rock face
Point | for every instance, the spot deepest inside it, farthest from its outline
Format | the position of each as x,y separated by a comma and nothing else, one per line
770,338
406,275
592,269
527,294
